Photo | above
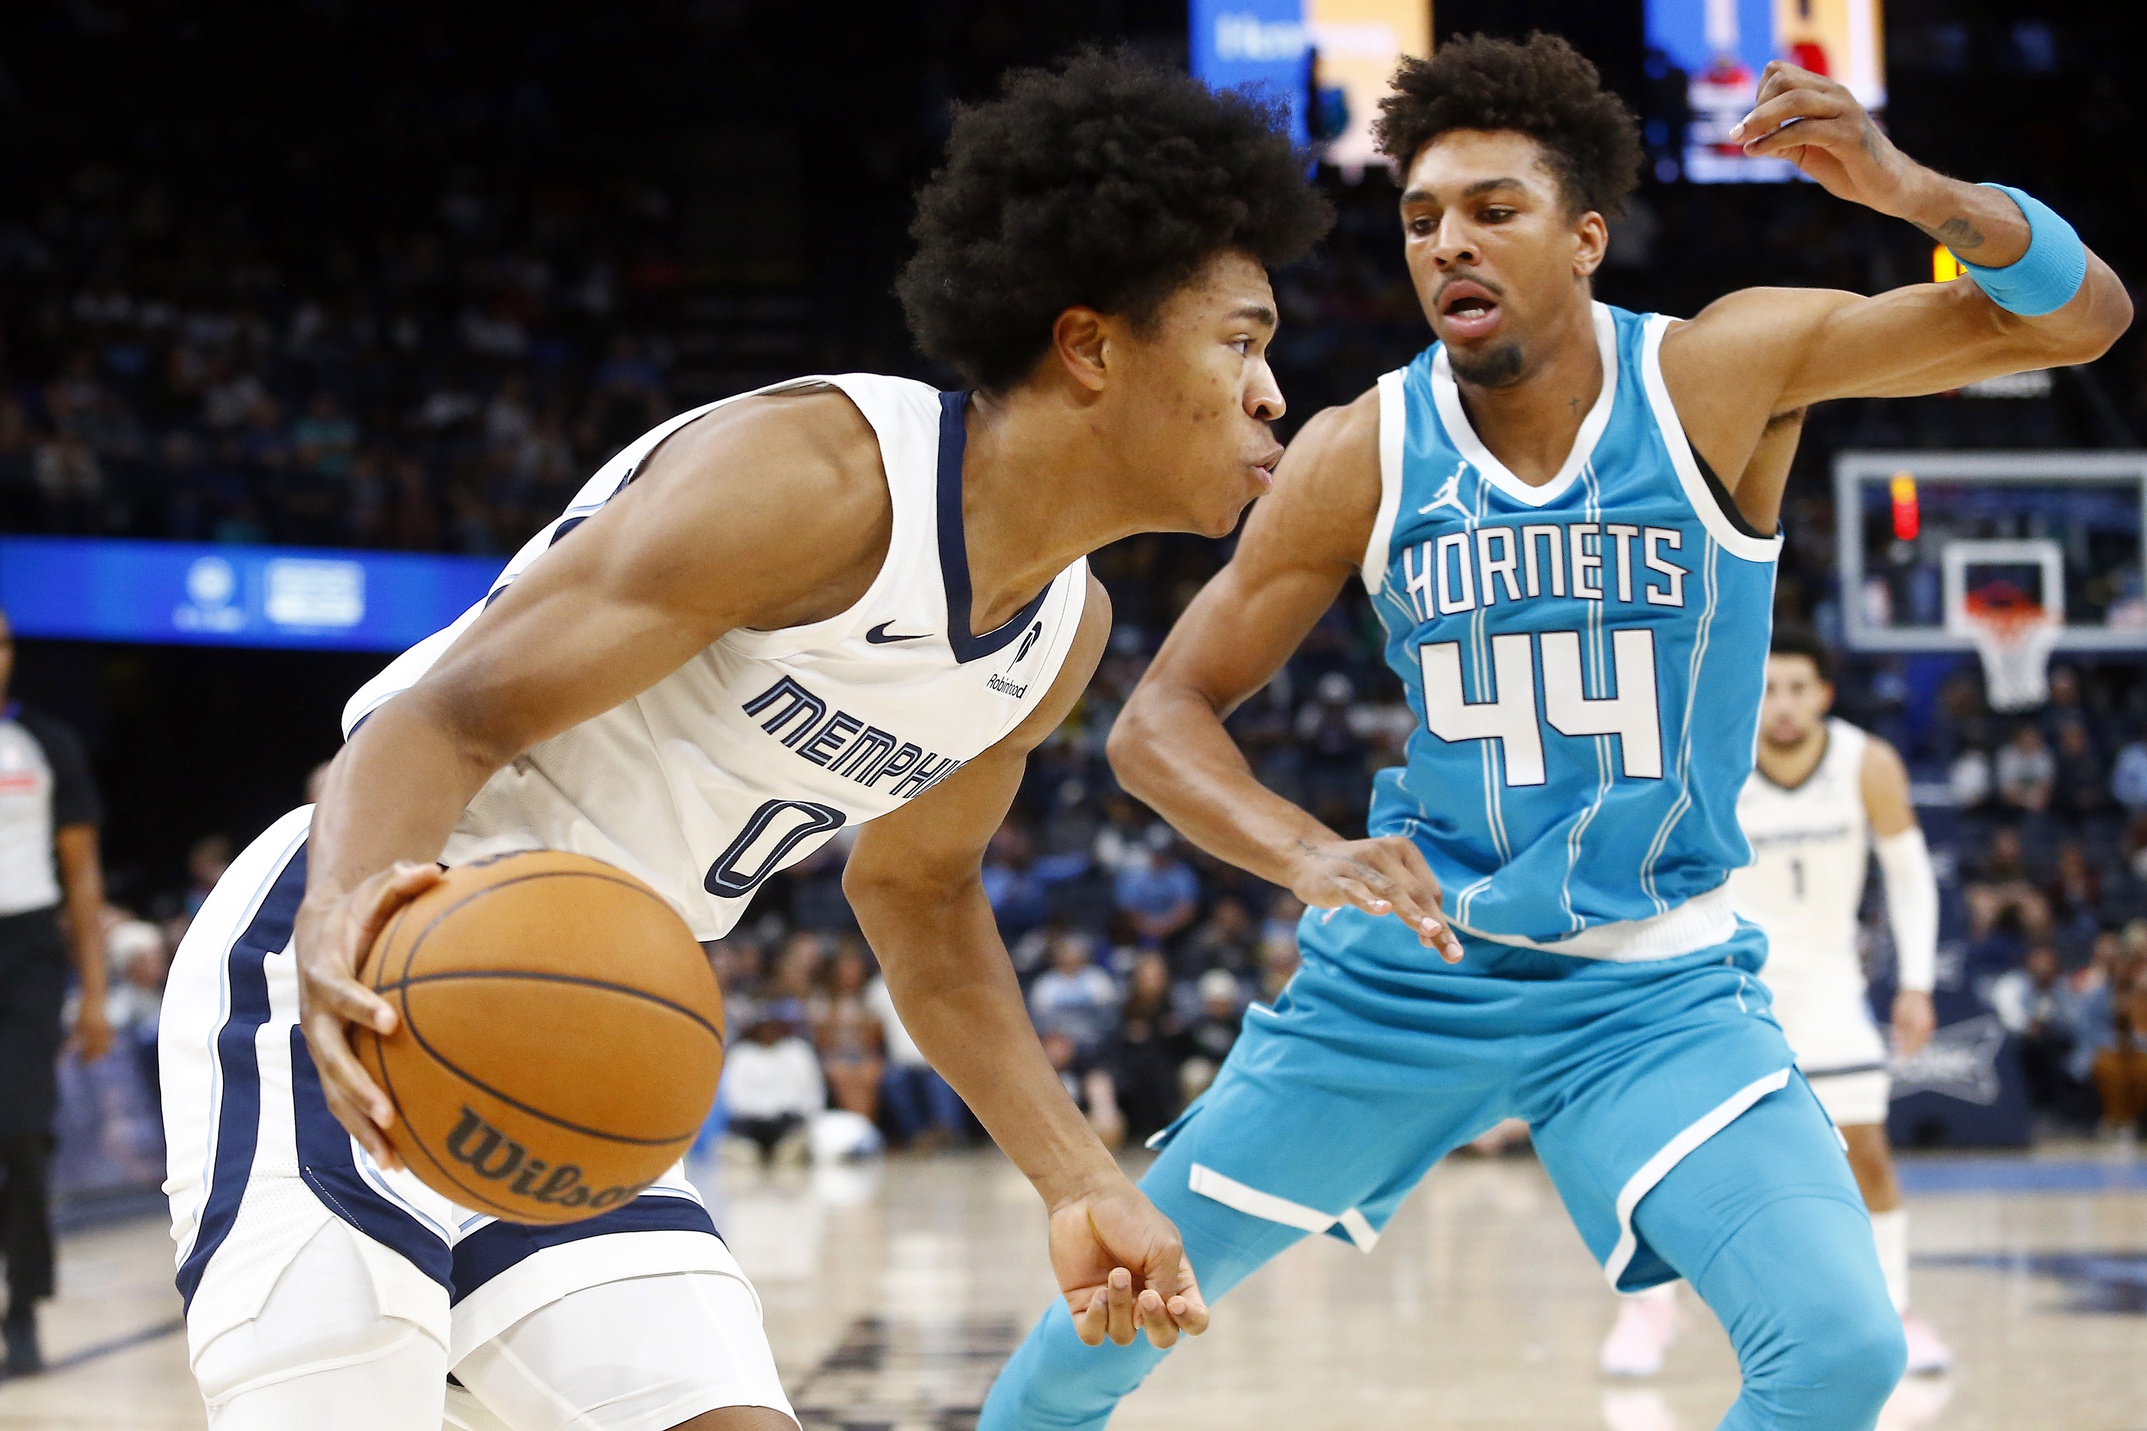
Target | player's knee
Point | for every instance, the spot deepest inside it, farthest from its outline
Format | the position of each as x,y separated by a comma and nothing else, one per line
1839,1359
1861,1357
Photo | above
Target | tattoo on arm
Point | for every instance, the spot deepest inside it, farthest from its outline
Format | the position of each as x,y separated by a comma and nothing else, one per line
1870,139
1957,234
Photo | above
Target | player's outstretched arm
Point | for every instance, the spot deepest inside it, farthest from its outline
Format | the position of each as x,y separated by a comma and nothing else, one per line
2037,297
915,881
1911,893
1169,747
766,513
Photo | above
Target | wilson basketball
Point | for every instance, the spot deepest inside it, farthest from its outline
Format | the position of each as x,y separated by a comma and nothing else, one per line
560,1036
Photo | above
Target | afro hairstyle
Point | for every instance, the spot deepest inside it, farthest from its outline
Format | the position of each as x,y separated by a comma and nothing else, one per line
1106,182
1543,88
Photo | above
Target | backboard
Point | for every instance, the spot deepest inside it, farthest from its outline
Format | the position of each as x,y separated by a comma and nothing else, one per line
1923,535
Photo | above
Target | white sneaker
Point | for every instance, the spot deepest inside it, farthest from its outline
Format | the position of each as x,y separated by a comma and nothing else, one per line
1928,1354
1637,1408
1645,1328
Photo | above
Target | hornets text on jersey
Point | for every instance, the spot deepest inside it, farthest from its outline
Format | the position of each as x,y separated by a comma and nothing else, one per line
1585,659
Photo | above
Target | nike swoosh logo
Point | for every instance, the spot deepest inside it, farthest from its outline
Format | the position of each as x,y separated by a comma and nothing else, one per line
880,636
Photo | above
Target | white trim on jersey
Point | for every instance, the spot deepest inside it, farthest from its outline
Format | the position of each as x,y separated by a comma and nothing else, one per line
1705,506
1701,922
1239,1197
1655,1169
1393,428
1458,431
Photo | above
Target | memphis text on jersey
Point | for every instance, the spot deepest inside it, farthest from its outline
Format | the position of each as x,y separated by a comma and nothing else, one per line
845,744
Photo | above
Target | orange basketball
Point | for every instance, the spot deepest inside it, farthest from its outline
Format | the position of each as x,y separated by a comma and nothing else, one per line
560,1036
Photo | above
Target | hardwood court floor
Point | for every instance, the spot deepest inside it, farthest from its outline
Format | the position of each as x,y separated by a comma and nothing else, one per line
893,1292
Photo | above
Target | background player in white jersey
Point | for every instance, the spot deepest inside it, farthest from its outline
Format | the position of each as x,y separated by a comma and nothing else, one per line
837,601
1824,796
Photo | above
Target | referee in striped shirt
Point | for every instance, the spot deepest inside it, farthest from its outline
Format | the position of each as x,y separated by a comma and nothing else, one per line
48,862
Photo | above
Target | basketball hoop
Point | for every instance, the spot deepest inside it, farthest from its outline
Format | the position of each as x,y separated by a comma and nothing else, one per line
2013,637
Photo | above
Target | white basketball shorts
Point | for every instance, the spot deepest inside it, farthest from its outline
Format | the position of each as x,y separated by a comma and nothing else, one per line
1822,1003
258,1168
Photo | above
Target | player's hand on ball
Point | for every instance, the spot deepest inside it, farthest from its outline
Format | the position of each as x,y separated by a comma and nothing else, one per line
1915,1020
332,936
1381,876
1123,1269
1817,125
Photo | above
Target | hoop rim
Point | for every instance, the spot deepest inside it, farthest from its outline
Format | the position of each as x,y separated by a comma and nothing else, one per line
2003,614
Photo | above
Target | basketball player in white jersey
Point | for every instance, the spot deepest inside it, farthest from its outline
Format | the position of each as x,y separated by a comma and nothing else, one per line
1824,796
845,600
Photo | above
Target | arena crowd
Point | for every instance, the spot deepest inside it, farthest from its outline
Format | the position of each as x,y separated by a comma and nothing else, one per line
421,322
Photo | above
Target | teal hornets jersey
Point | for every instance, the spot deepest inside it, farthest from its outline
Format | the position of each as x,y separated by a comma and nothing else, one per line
1585,658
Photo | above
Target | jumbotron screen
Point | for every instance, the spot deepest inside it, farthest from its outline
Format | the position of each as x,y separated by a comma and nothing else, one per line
1329,61
1723,45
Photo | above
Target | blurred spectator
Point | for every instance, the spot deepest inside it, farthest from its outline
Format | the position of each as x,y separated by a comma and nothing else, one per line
1074,997
2074,889
1266,730
1278,960
1156,891
138,961
2135,846
1089,1085
771,1082
1224,940
2026,771
1143,1058
926,1111
2041,1007
1213,1033
1968,779
739,965
2080,787
793,984
2128,777
2120,1067
205,865
1016,894
1129,833
848,1036
2002,892
72,481
1331,740
816,897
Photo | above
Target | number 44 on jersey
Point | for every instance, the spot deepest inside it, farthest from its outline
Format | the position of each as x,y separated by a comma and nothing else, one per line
1510,716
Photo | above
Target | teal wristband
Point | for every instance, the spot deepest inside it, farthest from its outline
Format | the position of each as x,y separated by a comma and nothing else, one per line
2043,279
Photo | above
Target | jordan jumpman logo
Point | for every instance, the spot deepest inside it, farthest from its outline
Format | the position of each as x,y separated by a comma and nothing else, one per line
1449,496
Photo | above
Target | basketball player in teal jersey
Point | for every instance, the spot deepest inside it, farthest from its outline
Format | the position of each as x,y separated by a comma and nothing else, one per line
1555,513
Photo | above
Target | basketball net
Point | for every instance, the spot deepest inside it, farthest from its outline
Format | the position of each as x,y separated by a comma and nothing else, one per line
2013,637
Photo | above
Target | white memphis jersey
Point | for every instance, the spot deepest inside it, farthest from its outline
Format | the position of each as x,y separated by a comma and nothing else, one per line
755,752
1811,845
